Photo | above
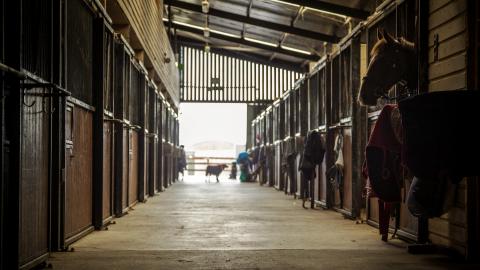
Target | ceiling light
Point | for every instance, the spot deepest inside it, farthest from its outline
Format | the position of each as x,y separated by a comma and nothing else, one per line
206,32
327,12
285,3
224,33
189,25
261,42
295,50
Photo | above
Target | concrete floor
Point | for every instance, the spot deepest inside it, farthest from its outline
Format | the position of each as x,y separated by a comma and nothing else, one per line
195,225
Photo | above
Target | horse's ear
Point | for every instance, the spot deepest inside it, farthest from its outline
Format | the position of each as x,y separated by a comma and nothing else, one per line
389,38
380,33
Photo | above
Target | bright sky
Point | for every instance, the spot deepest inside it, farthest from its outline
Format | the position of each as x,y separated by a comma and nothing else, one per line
201,122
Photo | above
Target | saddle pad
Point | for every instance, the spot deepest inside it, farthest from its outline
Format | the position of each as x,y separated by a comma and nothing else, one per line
383,174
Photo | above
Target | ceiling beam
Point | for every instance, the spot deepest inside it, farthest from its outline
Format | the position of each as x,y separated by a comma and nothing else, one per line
253,21
333,8
249,9
252,57
241,41
292,23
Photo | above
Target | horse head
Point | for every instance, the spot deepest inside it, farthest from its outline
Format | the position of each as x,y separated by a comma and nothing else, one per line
392,60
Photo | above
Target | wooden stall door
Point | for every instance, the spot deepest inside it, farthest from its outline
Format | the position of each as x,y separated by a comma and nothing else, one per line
166,165
347,172
125,169
344,204
146,158
321,180
271,165
78,160
149,167
133,168
173,161
372,203
34,182
160,168
263,176
278,166
337,203
299,177
152,159
107,203
299,141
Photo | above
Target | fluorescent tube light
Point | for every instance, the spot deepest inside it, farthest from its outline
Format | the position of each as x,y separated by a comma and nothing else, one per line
295,50
261,42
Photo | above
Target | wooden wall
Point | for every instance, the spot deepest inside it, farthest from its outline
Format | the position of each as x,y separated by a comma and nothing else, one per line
447,57
149,34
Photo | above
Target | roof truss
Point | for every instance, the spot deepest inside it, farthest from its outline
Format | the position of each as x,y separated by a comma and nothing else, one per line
242,41
333,8
252,57
290,29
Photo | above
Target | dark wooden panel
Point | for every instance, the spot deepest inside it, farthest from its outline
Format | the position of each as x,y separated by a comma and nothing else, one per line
313,88
125,169
79,50
159,181
271,165
322,81
159,147
279,176
69,124
372,207
347,171
303,108
148,157
144,175
152,166
322,180
166,165
107,170
78,208
345,76
133,168
335,91
34,189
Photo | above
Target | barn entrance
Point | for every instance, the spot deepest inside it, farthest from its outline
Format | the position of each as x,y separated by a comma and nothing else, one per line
212,134
221,92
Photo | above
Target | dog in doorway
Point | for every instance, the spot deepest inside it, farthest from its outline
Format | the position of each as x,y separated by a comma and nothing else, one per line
214,170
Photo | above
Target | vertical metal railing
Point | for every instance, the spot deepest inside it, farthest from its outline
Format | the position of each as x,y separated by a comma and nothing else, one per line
211,77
